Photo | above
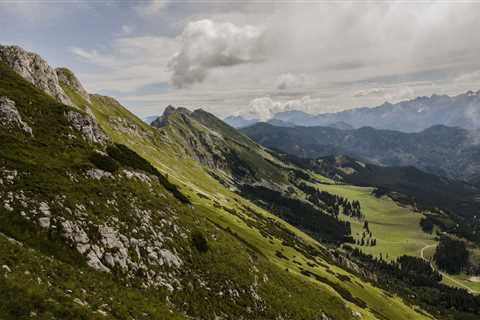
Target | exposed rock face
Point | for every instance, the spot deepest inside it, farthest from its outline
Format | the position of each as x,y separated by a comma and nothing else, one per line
87,126
10,117
67,77
169,110
126,126
35,70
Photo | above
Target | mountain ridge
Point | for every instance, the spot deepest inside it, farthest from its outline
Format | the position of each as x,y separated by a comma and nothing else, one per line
406,116
441,150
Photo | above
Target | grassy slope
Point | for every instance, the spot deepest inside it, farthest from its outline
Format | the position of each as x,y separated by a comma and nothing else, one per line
396,228
40,275
245,235
166,157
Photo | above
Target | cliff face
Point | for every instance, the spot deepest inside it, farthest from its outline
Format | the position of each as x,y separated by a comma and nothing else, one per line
35,70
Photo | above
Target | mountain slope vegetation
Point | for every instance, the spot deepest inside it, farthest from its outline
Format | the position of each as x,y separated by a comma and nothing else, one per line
103,216
440,150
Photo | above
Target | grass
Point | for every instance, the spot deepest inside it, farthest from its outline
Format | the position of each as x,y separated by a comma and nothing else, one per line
192,178
241,260
396,228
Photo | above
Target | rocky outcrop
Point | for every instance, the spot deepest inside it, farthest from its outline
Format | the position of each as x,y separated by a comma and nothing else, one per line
35,70
68,78
87,126
169,110
10,117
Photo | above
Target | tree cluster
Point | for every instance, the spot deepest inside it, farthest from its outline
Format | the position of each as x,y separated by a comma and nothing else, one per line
332,203
415,280
451,255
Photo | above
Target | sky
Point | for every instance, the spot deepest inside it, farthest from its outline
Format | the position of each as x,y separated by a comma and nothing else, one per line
254,58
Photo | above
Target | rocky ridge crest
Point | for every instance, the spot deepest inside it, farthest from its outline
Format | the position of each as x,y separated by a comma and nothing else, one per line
34,69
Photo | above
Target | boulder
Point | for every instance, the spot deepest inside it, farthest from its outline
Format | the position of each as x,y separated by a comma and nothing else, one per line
10,118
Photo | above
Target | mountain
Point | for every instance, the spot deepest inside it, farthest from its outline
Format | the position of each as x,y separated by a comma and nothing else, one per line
239,121
412,115
149,119
448,151
342,125
105,217
242,165
407,116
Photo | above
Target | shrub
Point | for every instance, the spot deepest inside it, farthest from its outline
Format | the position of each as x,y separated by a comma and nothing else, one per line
103,162
199,241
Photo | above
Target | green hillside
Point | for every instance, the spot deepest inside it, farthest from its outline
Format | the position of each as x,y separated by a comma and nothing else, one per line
91,229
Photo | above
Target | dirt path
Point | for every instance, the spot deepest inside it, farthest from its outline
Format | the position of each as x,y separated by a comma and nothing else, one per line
444,274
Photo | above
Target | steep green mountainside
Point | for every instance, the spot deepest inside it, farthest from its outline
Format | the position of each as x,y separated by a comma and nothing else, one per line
441,150
395,219
104,217
245,167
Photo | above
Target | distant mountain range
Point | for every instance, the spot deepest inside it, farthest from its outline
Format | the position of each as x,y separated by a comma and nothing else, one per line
446,151
408,116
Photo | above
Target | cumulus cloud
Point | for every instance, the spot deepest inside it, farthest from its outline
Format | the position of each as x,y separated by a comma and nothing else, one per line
206,45
222,55
375,92
264,108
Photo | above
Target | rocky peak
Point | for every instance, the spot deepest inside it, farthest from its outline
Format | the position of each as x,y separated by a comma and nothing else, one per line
169,110
34,69
67,77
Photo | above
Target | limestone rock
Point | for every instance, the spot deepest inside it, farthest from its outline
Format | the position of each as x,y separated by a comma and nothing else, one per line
67,77
98,174
44,222
35,70
87,125
10,117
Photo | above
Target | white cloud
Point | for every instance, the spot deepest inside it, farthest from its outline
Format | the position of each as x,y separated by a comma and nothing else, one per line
376,92
342,54
264,108
206,45
130,62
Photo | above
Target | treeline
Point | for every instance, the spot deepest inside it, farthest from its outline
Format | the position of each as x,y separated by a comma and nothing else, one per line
332,203
415,280
301,214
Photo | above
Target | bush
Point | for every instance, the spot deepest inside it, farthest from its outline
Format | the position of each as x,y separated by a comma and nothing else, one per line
199,241
104,162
